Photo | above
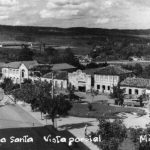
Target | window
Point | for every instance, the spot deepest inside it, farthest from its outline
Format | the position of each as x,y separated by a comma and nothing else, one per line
130,91
61,84
136,91
103,87
98,87
108,88
22,73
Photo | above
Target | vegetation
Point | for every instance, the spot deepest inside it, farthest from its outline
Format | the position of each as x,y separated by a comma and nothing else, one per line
25,54
118,94
8,85
90,106
112,134
40,98
101,111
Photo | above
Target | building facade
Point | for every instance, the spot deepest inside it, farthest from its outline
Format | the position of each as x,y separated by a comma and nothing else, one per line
108,77
58,78
80,80
134,87
17,71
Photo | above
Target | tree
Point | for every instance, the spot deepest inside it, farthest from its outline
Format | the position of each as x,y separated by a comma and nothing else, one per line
7,85
146,72
27,81
51,51
26,54
58,106
112,134
118,94
142,98
39,96
26,93
71,90
138,69
69,58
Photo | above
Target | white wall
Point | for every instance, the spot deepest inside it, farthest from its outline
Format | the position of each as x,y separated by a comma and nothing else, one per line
105,80
79,78
140,90
60,83
15,74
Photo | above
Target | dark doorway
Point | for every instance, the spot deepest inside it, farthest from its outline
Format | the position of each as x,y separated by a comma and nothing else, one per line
136,91
130,91
103,88
82,88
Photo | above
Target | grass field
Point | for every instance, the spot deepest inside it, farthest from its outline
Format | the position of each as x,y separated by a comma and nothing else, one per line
101,110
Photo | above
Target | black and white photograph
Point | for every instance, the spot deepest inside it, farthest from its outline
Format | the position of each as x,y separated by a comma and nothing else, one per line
74,74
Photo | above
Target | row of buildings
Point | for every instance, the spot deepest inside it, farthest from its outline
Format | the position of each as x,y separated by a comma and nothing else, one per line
100,79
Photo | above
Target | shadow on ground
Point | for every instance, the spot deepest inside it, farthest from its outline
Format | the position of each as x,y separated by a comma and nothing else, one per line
37,134
75,126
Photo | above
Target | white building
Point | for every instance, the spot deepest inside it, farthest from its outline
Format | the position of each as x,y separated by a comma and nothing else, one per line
17,71
107,77
80,80
59,79
135,86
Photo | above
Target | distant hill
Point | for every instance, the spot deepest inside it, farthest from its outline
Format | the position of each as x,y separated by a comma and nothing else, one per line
29,32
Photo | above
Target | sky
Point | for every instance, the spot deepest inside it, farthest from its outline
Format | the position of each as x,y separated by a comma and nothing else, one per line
118,14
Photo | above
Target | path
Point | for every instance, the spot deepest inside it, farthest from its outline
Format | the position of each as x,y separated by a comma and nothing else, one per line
74,125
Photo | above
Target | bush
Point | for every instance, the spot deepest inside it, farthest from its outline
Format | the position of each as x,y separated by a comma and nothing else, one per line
112,134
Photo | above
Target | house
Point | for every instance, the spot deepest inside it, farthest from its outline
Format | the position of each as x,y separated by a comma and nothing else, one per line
63,67
84,59
107,77
135,86
135,58
17,71
58,78
80,80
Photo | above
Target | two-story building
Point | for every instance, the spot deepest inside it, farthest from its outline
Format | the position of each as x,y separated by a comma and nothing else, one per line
107,77
80,80
17,71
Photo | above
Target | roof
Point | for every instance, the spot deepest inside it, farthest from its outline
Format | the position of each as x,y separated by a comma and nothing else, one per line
62,66
112,70
91,71
62,75
17,64
136,82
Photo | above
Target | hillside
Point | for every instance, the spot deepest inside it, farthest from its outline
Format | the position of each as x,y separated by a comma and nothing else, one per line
116,43
29,33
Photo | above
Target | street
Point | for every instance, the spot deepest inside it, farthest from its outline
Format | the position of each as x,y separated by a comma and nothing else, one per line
20,131
12,116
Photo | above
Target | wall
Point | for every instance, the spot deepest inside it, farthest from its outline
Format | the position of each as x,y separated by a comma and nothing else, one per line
62,84
105,80
79,78
140,90
15,74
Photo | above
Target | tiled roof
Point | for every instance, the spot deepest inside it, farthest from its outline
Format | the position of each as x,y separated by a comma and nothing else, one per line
112,70
17,64
91,71
62,75
136,82
62,66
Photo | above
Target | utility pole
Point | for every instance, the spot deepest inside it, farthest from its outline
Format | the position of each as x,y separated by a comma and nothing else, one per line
52,85
55,119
